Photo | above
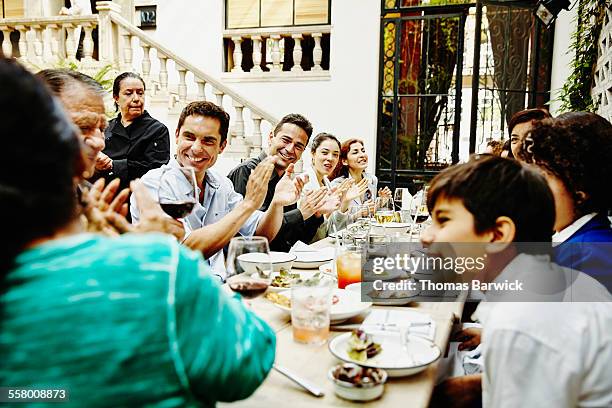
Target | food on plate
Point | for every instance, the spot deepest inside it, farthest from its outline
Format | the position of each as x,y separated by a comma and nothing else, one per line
284,279
335,299
279,299
358,376
361,346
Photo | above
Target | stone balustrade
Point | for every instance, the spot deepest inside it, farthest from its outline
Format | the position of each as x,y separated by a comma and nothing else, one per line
170,79
283,53
158,64
47,40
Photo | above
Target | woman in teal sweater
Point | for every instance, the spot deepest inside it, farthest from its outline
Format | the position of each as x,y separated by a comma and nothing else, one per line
130,321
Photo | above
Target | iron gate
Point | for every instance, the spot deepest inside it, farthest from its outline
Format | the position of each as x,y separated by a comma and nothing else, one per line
431,65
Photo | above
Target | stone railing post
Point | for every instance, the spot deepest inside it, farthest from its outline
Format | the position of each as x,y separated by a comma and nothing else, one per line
256,53
276,57
297,53
317,53
23,43
7,47
237,54
107,53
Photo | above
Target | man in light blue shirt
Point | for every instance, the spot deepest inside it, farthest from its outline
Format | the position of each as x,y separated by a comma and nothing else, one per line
220,212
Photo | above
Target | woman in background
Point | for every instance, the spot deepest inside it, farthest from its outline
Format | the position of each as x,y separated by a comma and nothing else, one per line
520,125
352,165
325,151
135,142
134,320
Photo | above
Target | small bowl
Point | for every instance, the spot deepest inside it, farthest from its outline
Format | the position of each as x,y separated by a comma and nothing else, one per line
358,392
250,261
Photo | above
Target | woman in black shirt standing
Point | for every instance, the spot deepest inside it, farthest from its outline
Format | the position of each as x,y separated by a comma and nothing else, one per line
135,142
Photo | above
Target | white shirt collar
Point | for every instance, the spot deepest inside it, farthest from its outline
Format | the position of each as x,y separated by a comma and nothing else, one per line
567,232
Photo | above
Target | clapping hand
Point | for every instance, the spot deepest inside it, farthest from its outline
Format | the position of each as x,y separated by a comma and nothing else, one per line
104,210
384,192
309,205
257,185
103,162
329,204
288,191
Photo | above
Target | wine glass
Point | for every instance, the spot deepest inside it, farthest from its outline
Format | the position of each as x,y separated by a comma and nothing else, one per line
419,210
249,266
177,192
385,210
403,201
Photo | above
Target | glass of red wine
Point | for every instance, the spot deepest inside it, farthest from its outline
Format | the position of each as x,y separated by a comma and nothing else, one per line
177,191
249,267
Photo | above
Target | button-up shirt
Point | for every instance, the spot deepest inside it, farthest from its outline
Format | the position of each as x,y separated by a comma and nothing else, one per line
219,199
547,354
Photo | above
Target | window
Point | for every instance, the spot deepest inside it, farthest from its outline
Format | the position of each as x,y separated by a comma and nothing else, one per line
11,8
275,13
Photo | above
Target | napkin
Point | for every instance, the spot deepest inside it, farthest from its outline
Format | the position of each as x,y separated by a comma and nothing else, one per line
381,320
306,253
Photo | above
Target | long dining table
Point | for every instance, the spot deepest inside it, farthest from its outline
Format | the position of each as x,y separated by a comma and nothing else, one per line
313,362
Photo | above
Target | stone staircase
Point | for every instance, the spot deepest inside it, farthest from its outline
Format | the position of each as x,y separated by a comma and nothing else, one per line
171,81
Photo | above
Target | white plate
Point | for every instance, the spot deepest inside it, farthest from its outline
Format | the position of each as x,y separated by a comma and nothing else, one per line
327,268
396,298
349,305
393,358
303,275
313,259
393,224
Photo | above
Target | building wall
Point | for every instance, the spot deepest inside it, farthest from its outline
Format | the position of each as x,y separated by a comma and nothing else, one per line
564,27
345,105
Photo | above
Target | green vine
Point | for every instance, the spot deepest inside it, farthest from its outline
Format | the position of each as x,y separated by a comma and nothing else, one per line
576,92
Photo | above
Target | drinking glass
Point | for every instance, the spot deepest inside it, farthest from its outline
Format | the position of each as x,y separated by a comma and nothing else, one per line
420,212
249,267
310,311
360,221
385,210
403,201
177,192
347,261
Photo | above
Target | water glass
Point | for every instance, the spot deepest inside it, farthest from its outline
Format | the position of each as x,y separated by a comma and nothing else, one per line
310,311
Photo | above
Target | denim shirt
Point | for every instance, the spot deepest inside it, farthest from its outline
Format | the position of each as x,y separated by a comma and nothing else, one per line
219,199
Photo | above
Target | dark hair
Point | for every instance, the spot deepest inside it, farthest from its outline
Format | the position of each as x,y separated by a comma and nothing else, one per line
506,147
527,115
341,169
121,77
496,146
489,187
59,79
320,138
297,120
36,178
209,110
576,147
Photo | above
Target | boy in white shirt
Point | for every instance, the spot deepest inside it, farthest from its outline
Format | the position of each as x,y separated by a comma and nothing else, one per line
536,353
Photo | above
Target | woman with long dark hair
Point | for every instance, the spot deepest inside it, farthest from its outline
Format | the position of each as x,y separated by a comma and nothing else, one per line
352,165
